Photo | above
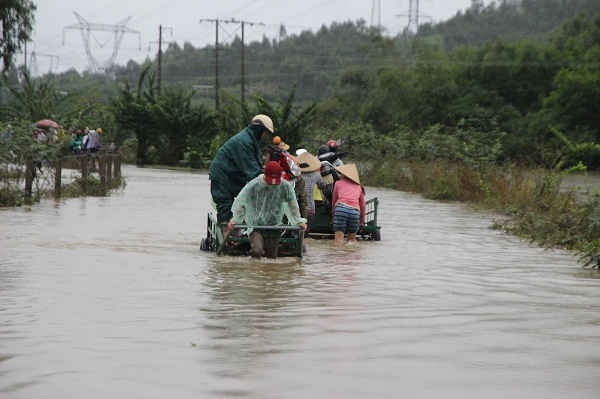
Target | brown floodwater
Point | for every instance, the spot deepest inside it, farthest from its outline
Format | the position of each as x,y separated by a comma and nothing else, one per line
112,298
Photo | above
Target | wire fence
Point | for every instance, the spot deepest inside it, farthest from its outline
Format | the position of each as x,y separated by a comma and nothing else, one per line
69,175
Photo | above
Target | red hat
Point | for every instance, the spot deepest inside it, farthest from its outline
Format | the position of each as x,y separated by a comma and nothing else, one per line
273,173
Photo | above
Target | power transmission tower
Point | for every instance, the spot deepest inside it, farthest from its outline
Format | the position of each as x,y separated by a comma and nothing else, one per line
34,62
86,28
414,15
376,13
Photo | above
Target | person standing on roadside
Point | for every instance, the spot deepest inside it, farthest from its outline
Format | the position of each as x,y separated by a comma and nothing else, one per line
93,143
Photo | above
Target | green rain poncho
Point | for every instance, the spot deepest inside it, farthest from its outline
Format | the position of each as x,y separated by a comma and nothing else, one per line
237,162
262,204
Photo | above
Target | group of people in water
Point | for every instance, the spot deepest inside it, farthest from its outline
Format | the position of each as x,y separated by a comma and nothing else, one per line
265,187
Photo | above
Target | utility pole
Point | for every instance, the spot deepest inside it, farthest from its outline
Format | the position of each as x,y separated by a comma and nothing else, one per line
161,28
216,21
159,58
159,55
217,88
243,55
243,70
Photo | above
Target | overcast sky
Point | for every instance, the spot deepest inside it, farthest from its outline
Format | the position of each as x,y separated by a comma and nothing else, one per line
183,17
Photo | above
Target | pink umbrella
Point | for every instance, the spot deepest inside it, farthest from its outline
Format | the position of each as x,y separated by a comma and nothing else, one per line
46,123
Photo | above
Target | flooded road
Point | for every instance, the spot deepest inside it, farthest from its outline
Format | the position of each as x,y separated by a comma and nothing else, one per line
111,298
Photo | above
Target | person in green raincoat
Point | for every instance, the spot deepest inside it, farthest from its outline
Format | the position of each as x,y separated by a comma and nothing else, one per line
237,162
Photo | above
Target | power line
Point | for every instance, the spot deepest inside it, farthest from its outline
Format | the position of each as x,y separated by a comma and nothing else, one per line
245,6
160,53
242,25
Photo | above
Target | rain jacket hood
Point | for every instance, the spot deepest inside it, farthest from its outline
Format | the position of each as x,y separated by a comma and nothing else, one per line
239,160
262,204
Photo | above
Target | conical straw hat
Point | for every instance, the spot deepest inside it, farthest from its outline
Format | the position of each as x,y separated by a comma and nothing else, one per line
350,171
308,162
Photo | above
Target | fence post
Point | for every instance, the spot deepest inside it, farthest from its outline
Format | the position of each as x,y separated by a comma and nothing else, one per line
117,166
102,170
84,171
58,177
28,178
108,169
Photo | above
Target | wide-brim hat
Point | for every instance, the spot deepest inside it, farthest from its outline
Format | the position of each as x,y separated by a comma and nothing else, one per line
280,143
284,146
350,171
308,162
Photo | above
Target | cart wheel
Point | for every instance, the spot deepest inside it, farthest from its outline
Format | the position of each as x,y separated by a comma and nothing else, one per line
376,236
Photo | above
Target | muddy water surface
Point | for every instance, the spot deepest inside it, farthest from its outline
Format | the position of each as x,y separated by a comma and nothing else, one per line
111,297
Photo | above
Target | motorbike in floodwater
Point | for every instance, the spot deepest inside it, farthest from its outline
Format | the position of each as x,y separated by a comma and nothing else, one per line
237,242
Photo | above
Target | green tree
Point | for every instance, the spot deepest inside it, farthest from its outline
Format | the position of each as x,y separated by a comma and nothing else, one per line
35,99
573,102
167,122
16,22
133,111
292,121
181,124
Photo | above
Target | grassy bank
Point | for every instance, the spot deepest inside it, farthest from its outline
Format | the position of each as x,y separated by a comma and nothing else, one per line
534,206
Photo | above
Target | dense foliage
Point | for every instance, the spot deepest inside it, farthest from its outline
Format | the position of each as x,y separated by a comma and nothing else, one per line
16,26
506,20
412,95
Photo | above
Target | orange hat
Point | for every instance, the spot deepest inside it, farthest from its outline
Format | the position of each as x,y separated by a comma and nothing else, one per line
280,143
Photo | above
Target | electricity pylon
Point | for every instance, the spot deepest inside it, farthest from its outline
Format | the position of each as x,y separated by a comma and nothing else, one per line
34,64
413,16
86,28
376,14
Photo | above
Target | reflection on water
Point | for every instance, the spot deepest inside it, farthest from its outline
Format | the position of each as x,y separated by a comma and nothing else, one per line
110,296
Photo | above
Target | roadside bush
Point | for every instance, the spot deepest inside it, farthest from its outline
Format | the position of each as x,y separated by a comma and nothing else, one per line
128,150
11,196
